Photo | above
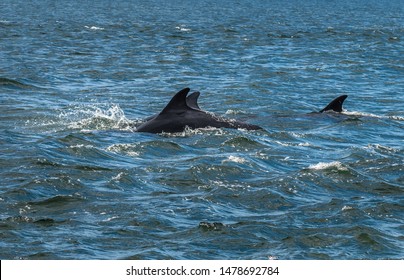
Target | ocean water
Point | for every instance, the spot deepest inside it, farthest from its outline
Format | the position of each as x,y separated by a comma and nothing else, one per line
77,182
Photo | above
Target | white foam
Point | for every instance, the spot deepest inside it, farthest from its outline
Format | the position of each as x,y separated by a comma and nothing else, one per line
360,114
79,146
327,165
396,118
183,28
283,144
380,147
197,131
305,144
94,27
234,112
118,177
290,144
370,115
109,219
127,149
345,208
234,159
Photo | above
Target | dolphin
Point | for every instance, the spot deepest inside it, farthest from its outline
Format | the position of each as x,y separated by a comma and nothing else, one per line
180,113
335,105
192,101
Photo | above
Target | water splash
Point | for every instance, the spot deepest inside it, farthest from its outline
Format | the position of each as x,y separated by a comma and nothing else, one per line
97,118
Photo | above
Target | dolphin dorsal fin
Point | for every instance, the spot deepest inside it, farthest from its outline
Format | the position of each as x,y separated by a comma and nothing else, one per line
336,104
178,102
192,100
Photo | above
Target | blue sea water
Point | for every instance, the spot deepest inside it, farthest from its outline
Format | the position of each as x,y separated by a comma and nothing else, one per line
78,183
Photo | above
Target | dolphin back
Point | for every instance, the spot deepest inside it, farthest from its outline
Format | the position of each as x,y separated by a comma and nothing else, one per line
335,105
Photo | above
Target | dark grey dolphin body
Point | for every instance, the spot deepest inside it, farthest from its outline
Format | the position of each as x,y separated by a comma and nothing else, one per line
181,113
335,105
192,101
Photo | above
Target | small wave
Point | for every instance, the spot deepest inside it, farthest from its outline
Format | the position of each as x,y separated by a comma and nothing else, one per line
94,27
118,177
5,22
242,142
183,28
81,146
216,226
129,149
13,83
187,132
57,200
328,165
396,118
305,144
234,112
234,159
361,114
370,115
294,144
148,148
381,148
346,208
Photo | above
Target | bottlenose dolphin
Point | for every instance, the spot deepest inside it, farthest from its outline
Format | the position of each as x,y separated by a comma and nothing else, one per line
192,101
335,105
180,113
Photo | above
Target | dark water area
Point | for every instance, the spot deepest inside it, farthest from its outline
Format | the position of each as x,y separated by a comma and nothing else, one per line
77,181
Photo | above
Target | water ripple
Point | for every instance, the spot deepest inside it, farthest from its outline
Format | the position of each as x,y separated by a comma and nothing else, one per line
79,183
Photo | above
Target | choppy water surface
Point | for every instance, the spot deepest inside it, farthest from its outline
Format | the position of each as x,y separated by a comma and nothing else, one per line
78,183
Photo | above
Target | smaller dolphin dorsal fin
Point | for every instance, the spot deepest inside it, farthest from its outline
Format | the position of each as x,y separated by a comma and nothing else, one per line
335,105
192,100
178,102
